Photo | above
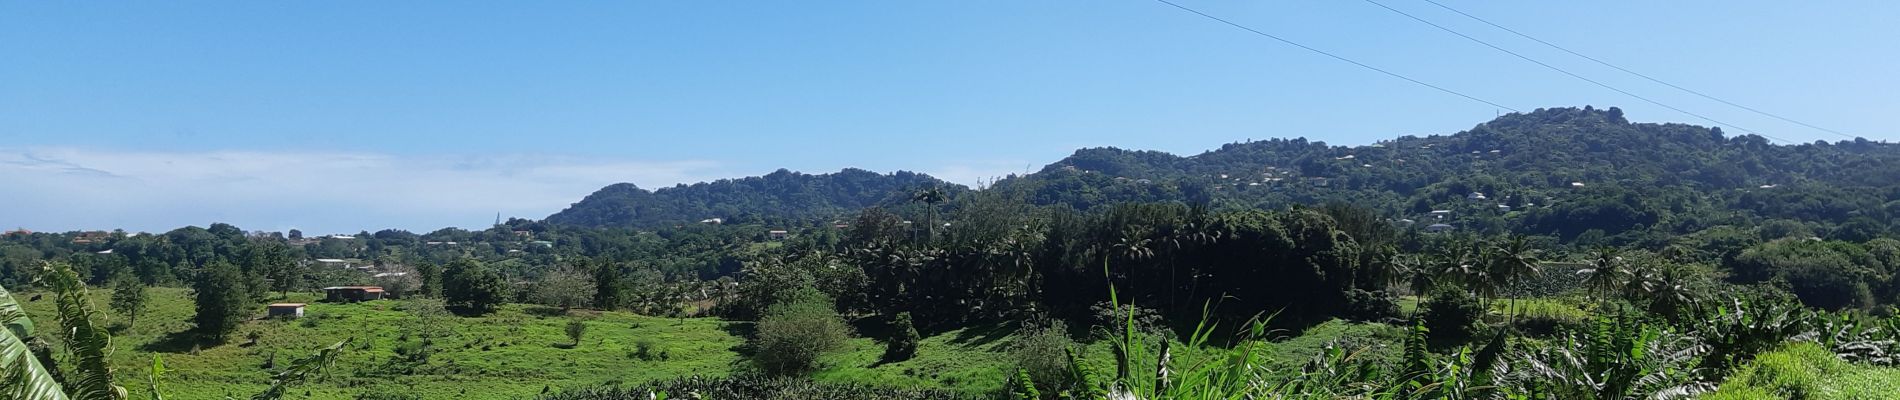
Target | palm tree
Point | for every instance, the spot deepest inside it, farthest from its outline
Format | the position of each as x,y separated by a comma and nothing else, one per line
930,197
1606,271
1511,261
1669,293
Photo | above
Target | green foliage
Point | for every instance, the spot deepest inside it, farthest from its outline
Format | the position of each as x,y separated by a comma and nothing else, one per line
1831,275
750,387
607,286
575,328
565,287
902,344
1042,353
1452,317
222,299
469,287
22,376
1807,371
128,298
794,334
780,195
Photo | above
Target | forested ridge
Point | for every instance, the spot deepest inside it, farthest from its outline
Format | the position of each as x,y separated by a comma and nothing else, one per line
1564,171
777,197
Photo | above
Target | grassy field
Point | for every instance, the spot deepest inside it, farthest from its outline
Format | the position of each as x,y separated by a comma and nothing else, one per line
523,350
1808,371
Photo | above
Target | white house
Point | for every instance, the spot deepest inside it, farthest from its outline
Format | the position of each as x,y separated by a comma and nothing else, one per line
1475,196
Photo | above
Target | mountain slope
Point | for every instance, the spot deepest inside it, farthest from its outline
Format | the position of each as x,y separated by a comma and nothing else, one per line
1564,171
779,196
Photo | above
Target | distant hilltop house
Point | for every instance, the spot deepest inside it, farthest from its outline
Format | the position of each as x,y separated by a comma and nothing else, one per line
1438,228
91,237
1475,196
776,234
335,262
285,310
1441,213
352,293
342,237
19,231
712,221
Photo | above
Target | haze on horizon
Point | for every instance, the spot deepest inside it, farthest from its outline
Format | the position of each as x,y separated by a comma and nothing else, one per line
340,117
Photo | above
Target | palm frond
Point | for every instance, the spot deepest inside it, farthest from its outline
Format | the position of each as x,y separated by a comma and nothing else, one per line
84,331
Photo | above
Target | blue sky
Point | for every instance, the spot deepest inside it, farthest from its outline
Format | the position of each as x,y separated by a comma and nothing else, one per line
343,116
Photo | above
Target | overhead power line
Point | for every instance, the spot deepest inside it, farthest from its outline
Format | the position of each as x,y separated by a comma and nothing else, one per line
1565,72
1628,71
1335,56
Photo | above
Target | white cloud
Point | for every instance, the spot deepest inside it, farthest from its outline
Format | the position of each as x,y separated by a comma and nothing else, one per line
63,188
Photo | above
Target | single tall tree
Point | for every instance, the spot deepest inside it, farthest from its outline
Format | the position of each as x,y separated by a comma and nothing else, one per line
930,197
607,286
1513,260
128,298
222,299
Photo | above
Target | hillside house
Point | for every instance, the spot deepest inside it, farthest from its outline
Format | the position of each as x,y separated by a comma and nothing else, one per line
777,234
285,310
1475,196
1435,228
352,293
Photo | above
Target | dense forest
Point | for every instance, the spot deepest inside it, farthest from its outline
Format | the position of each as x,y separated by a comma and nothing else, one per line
774,198
1558,254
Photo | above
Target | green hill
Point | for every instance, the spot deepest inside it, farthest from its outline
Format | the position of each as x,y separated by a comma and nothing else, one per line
781,195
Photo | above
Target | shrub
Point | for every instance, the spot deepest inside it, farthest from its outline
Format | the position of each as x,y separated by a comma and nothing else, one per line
1110,320
576,328
794,334
1042,353
1451,316
904,338
646,349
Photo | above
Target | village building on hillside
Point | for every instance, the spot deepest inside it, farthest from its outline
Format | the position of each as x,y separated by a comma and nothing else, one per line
1434,228
777,234
286,310
334,262
352,293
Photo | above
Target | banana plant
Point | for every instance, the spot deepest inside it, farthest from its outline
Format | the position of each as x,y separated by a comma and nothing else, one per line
21,375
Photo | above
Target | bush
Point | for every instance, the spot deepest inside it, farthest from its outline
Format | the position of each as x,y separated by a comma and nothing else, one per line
472,288
1111,320
1042,352
794,334
1451,316
576,328
904,338
1368,306
646,349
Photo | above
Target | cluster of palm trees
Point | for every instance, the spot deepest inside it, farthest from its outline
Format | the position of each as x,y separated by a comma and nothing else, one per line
1484,267
1488,267
1664,286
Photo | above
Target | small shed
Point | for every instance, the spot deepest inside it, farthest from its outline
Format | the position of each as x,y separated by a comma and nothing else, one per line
286,310
352,293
